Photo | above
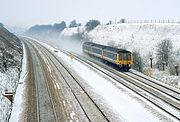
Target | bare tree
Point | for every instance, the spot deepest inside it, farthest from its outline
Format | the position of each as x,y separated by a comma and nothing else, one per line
122,20
174,62
73,23
164,51
137,61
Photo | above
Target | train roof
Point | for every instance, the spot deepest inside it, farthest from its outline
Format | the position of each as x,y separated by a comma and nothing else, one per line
108,48
99,46
113,49
88,43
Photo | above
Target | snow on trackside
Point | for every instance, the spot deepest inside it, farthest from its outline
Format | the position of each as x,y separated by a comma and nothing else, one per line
123,102
17,104
8,81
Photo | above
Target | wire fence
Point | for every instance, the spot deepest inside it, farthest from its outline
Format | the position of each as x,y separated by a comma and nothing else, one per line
142,21
151,21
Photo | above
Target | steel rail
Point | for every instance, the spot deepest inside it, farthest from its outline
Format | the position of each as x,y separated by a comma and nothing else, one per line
47,51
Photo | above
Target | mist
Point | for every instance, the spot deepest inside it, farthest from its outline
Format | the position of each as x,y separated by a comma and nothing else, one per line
70,45
62,43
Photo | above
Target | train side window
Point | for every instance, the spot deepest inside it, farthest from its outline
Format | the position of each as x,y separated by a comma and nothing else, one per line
105,54
98,51
110,55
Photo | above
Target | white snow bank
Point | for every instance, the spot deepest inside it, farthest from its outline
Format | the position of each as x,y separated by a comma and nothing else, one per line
17,104
166,78
8,81
72,31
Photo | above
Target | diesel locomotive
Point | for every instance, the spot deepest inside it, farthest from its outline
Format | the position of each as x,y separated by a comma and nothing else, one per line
118,58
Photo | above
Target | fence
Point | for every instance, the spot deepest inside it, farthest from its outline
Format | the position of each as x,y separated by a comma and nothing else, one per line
150,21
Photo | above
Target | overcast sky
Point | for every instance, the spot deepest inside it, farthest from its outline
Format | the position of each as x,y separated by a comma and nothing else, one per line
31,12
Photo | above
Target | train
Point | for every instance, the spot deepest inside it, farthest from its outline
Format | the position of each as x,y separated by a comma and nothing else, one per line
119,58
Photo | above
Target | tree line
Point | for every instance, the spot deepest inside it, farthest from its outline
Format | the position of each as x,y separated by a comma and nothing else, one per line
58,27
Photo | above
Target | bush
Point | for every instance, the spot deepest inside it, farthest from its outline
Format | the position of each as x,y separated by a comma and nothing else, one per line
91,25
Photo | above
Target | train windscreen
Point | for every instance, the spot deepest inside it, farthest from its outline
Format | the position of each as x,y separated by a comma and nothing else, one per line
125,56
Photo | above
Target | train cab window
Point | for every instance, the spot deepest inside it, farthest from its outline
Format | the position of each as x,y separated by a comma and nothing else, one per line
120,56
128,56
124,56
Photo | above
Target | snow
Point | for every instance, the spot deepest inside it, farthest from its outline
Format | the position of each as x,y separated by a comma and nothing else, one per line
17,105
71,31
164,77
135,36
72,114
120,99
8,81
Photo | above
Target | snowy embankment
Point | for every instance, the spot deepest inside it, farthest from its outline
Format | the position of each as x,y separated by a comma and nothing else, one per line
139,37
18,99
8,81
72,31
10,66
134,36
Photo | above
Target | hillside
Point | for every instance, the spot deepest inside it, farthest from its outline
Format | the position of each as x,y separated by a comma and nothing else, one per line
133,36
139,37
142,37
11,51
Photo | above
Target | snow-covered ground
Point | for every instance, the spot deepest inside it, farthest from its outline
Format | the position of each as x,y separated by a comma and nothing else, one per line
125,103
8,81
137,36
140,37
164,77
18,99
72,31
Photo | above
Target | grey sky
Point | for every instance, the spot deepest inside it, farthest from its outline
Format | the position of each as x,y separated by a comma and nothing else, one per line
30,12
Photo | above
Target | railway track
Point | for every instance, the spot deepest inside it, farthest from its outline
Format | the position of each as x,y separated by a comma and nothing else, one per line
161,96
173,92
43,104
55,62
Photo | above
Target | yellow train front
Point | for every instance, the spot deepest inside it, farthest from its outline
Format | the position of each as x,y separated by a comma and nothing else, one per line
118,58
